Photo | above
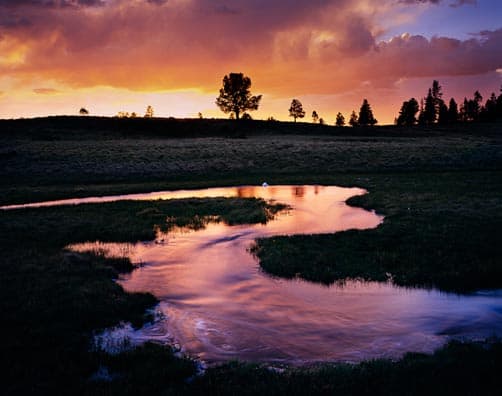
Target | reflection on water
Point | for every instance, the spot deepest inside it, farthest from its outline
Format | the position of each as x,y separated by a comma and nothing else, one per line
218,305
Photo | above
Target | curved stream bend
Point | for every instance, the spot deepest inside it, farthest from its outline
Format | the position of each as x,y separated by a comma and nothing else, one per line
218,305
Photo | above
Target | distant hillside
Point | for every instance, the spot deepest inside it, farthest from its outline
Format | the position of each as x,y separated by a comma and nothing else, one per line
75,128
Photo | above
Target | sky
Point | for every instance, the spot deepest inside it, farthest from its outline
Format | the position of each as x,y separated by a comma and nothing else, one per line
108,56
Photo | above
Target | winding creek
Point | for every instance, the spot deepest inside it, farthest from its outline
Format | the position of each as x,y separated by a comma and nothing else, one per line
218,305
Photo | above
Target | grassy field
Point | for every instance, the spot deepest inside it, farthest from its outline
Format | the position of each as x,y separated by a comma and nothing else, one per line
35,166
440,190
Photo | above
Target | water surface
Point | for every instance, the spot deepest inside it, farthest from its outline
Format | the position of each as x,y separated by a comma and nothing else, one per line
218,305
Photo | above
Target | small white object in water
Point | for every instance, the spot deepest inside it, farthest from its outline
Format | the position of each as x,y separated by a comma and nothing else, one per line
265,184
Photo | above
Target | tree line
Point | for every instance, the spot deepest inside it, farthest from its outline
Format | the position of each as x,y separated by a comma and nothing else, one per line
235,98
433,109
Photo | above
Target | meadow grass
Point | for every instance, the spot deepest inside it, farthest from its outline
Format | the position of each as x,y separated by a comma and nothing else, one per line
76,164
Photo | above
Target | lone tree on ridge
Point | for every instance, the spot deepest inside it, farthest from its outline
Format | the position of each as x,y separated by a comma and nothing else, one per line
296,109
235,96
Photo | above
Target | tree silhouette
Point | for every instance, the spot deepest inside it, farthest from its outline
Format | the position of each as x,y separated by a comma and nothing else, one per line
149,112
489,112
499,104
437,96
429,113
83,111
235,96
321,121
353,121
443,114
366,115
340,120
471,108
452,111
407,114
296,109
436,90
315,116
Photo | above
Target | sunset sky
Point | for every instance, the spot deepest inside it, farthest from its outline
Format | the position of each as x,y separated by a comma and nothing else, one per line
57,56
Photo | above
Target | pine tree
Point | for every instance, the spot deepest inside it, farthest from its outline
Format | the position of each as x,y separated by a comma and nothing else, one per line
452,111
340,120
353,121
429,109
407,114
315,117
499,104
421,114
437,96
443,116
366,114
490,109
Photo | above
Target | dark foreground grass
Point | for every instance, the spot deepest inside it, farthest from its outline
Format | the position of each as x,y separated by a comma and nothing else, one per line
51,300
441,230
457,369
440,191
